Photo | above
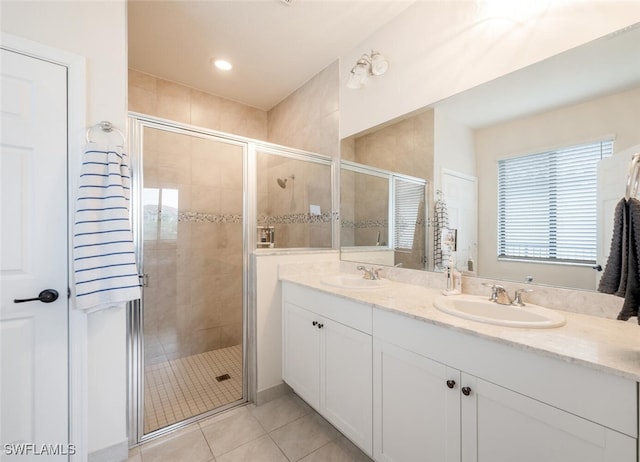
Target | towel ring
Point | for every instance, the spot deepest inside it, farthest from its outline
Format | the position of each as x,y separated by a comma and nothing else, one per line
633,179
105,126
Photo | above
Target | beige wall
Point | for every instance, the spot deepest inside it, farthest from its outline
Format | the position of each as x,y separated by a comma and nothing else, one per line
404,147
308,119
616,115
169,100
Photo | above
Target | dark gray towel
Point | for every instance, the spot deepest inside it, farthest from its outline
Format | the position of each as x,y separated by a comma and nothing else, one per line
613,281
622,273
632,289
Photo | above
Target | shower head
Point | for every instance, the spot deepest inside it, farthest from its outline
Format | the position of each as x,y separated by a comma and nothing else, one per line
282,182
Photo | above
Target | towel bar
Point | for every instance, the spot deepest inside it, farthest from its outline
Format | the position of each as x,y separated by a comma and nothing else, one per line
105,126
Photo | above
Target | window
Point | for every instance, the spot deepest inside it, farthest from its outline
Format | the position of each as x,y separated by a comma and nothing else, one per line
547,204
408,202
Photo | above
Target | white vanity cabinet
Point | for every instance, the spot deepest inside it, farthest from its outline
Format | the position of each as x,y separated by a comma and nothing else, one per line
407,390
501,425
416,407
327,350
431,404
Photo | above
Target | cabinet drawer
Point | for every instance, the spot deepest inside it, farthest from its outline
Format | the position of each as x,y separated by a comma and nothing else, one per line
607,399
349,313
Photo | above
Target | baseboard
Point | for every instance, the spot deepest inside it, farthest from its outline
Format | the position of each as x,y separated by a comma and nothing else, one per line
272,393
116,452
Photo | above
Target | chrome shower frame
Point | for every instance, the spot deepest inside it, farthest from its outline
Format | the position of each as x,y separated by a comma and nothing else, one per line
135,313
135,318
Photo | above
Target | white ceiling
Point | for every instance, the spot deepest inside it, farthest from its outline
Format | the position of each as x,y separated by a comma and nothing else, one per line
274,47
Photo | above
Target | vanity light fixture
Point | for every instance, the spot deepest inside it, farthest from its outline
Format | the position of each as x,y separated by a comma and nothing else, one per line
368,65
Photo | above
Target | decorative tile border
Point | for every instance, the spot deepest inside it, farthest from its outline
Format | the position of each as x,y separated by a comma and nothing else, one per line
263,220
295,218
362,224
199,217
365,224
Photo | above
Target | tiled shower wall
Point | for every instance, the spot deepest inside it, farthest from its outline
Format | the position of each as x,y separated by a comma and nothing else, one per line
405,147
184,282
192,253
308,119
169,100
288,209
364,209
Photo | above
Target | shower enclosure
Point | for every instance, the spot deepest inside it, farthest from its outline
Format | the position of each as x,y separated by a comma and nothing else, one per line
189,220
200,202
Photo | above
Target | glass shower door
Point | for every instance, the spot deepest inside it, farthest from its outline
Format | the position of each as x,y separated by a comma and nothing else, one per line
193,262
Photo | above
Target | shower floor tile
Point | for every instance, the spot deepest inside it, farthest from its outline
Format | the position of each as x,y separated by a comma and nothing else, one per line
181,388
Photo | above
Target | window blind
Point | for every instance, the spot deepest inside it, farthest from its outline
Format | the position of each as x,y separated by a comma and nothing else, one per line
408,199
547,204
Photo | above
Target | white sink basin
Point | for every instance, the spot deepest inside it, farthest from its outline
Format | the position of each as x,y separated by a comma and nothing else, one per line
353,281
480,309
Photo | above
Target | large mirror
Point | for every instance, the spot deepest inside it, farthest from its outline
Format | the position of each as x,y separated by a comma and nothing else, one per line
586,96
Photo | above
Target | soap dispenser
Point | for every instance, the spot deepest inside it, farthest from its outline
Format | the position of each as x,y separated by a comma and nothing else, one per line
453,280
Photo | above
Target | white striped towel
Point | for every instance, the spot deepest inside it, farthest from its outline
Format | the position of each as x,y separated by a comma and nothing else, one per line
105,270
440,222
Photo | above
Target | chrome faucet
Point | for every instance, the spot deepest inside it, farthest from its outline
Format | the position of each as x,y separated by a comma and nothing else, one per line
370,273
517,301
500,295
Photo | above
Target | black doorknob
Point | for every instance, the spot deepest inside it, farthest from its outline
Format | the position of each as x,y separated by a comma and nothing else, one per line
451,383
466,391
46,296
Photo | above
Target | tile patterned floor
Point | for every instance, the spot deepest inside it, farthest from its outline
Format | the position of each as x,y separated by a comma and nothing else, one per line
185,387
282,430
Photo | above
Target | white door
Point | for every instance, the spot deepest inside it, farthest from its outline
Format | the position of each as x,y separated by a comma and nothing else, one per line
461,195
33,258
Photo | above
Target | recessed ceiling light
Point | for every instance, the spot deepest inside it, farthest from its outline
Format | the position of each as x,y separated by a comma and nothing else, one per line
222,64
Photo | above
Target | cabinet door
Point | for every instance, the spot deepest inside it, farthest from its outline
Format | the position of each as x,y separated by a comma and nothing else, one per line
301,353
346,388
416,413
500,425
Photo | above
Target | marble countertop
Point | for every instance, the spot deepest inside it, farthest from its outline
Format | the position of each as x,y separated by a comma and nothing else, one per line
603,344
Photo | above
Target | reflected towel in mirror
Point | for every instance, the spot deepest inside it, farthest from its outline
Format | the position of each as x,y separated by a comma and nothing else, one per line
621,275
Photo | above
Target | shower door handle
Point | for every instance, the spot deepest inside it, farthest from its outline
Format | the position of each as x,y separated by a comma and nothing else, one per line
144,279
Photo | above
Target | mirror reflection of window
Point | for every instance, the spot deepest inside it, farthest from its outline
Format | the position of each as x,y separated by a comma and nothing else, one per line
547,206
160,214
409,200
